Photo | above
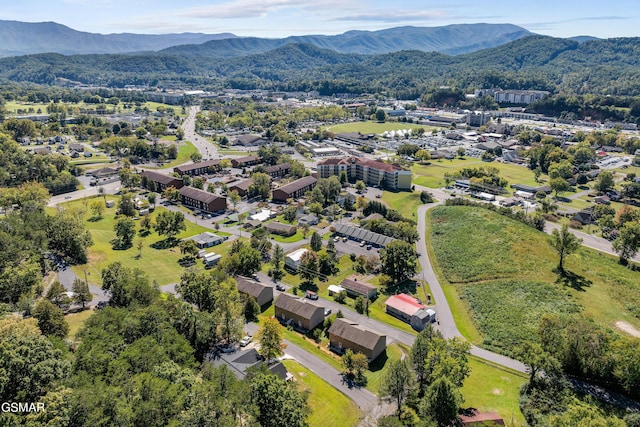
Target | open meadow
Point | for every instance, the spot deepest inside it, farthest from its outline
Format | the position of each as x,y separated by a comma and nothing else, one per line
160,264
375,127
499,277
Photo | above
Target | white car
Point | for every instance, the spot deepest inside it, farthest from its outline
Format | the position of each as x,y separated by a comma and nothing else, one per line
362,244
245,341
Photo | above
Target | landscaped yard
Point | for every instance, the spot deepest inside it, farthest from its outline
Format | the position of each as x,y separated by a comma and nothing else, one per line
375,127
329,407
503,278
432,175
76,320
491,388
160,265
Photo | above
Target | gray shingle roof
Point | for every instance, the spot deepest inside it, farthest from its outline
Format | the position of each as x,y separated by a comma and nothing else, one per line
355,333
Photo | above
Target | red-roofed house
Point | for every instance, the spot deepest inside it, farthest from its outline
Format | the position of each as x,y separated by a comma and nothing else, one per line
407,308
372,172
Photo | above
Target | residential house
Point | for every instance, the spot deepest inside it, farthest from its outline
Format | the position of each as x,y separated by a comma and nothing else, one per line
280,229
155,181
278,171
240,362
410,310
292,259
203,200
295,189
345,334
241,187
245,161
308,220
584,217
371,172
103,173
300,313
207,239
261,292
358,288
199,168
250,140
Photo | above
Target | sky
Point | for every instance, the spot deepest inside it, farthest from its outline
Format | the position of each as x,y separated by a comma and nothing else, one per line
281,18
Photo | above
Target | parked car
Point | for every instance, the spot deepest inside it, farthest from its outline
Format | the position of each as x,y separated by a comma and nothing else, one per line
336,239
101,304
368,247
280,287
245,341
311,295
345,239
327,311
362,244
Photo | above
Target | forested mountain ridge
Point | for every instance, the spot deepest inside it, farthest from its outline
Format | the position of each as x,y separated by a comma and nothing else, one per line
450,39
602,67
24,38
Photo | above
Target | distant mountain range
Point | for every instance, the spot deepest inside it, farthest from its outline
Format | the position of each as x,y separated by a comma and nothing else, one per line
25,38
22,38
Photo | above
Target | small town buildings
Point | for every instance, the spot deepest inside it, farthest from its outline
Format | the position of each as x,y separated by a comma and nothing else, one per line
203,200
261,292
245,161
358,288
308,220
211,259
292,260
345,334
207,239
295,189
278,171
155,181
250,140
360,234
199,168
325,151
103,173
280,229
372,172
300,313
518,96
262,215
241,187
410,310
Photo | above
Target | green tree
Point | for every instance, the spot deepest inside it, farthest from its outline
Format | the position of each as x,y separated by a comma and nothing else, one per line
381,115
565,243
308,269
127,206
189,248
343,178
628,241
278,403
127,287
81,292
559,185
228,309
270,339
98,208
442,402
397,383
57,295
290,213
260,186
171,194
196,157
399,260
170,223
234,198
605,181
354,366
329,188
315,242
360,186
196,287
146,224
419,353
68,237
125,230
277,260
151,197
51,319
315,208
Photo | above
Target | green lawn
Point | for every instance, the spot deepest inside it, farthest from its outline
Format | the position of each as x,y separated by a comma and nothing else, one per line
404,202
432,175
160,265
185,150
76,320
490,388
499,278
379,367
329,407
375,127
291,239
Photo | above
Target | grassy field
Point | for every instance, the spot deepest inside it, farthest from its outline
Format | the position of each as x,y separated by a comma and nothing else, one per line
375,127
493,389
432,175
404,202
159,264
329,407
291,239
13,106
379,366
503,279
185,150
76,320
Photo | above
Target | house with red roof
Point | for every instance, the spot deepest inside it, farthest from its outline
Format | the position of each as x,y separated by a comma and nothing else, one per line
410,310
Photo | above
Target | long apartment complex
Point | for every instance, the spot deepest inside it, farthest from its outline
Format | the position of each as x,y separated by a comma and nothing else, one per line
372,172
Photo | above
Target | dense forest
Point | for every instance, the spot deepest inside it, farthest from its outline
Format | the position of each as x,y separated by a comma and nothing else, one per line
606,67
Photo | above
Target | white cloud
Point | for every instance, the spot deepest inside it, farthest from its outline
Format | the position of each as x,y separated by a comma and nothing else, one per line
394,16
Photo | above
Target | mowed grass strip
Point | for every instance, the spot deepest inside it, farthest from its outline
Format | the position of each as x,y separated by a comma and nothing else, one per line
505,279
329,407
490,388
375,127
